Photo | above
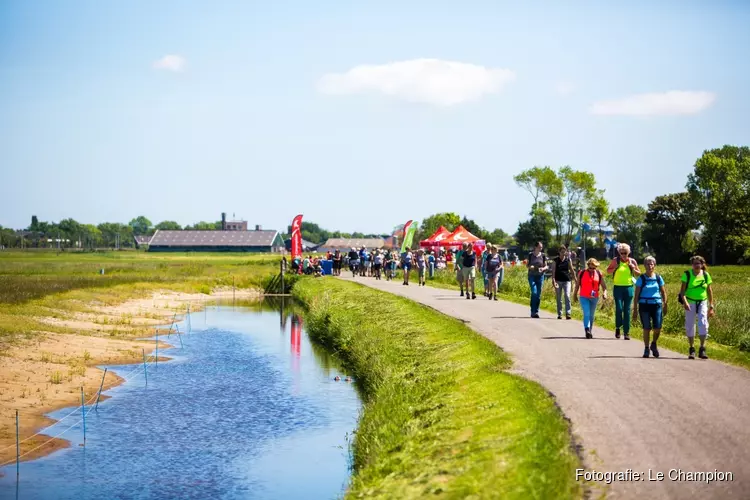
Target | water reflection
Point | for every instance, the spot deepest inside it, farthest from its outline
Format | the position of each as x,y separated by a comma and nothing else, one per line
240,412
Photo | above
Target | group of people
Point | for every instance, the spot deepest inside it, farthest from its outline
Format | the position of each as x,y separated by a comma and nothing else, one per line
637,295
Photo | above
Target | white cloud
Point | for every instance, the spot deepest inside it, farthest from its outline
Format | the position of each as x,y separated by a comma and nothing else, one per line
564,88
674,102
432,81
170,62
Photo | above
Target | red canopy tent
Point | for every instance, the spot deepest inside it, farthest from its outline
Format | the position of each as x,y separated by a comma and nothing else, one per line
436,238
458,237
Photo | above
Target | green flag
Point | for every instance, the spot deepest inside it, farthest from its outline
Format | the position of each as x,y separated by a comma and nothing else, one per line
409,229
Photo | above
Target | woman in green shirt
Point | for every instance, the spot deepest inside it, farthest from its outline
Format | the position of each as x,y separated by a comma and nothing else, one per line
624,269
697,297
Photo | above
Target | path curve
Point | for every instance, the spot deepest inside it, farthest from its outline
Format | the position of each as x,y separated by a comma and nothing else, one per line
626,411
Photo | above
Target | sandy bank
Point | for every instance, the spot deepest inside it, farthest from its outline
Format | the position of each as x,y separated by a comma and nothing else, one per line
47,372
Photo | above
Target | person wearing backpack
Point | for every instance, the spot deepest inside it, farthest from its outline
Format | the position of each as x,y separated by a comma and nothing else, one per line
589,283
537,265
697,297
651,302
625,270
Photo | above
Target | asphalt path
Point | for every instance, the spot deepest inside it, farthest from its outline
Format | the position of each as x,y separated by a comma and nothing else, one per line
647,416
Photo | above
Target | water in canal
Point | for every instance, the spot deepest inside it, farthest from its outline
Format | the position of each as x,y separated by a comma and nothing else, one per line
248,408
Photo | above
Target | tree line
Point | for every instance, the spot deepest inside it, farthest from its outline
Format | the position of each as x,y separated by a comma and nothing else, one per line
711,217
69,233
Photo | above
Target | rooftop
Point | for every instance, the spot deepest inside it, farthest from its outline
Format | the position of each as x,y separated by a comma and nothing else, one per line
213,238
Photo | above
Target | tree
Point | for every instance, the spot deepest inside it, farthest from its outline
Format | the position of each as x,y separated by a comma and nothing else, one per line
720,188
670,221
430,224
580,188
34,223
537,228
630,222
168,225
540,182
474,228
204,226
312,232
140,225
599,211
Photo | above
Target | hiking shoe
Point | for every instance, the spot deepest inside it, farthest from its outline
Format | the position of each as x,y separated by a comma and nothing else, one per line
588,333
559,317
462,293
626,336
535,315
691,354
702,353
473,295
645,352
617,333
468,296
488,296
495,297
654,350
568,317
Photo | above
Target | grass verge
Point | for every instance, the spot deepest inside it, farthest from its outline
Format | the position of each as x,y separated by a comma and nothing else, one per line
441,414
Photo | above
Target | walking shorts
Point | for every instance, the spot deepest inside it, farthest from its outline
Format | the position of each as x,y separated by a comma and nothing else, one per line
651,316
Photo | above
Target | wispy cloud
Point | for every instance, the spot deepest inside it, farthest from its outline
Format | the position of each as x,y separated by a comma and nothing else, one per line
170,62
564,88
674,102
431,81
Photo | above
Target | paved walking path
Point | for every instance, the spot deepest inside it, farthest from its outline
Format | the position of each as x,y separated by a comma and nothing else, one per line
626,411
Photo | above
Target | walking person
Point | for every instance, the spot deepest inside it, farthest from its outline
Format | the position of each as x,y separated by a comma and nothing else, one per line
493,266
353,262
485,279
625,271
697,297
562,276
468,269
337,262
431,263
406,262
457,266
651,303
537,265
421,267
388,262
589,284
377,264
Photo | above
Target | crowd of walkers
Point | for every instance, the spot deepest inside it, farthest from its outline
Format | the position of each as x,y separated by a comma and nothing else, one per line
637,295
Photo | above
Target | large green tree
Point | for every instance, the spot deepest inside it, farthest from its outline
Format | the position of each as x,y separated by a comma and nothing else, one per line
537,228
140,225
629,222
431,224
541,183
168,225
720,188
670,220
599,211
580,189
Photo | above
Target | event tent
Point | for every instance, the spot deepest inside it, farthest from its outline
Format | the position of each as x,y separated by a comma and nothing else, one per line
458,237
436,238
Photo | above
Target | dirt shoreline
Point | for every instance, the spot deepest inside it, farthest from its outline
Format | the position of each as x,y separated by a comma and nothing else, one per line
46,373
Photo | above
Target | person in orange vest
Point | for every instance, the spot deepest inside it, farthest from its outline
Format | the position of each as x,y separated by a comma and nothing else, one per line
588,286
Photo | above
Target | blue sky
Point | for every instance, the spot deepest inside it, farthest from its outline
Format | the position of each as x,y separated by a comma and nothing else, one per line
182,110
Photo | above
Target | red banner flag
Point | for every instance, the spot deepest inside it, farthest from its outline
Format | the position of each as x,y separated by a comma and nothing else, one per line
297,236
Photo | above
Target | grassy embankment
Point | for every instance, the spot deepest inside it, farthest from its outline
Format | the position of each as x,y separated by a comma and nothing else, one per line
441,413
729,330
36,285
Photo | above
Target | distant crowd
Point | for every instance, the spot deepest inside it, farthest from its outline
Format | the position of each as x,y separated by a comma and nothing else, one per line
636,294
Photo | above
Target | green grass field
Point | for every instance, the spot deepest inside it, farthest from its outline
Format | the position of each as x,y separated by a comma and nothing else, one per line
41,283
441,415
729,330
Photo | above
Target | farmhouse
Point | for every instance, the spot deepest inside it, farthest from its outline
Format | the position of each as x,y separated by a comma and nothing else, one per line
217,241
